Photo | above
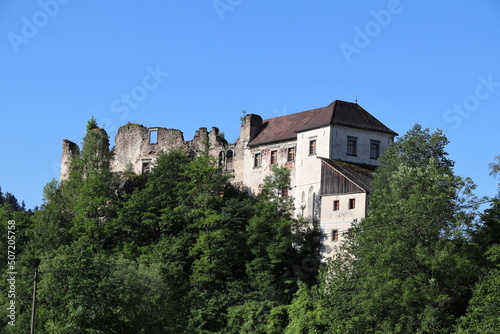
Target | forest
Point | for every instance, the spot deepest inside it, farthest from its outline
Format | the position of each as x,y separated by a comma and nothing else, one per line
181,250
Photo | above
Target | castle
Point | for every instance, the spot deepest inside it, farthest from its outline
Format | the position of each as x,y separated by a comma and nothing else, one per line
332,153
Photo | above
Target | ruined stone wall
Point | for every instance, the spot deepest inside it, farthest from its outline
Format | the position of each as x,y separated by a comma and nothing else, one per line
69,149
243,166
137,147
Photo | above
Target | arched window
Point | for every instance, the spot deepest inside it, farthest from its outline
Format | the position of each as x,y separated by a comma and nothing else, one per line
221,159
229,160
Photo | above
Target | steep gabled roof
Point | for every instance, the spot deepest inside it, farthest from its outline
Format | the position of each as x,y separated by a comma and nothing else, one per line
338,112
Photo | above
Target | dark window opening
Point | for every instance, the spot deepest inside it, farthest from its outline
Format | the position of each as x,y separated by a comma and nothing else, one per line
229,160
374,149
257,160
146,166
274,157
352,203
291,154
352,145
312,147
336,205
221,159
335,235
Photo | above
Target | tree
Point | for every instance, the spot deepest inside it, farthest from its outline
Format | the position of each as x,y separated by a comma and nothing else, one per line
281,255
88,188
154,208
483,314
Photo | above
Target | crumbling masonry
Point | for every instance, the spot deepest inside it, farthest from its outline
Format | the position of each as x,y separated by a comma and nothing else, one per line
331,153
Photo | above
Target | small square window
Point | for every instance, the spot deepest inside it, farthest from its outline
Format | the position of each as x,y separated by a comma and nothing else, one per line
257,160
291,154
336,205
146,166
352,203
352,145
312,147
374,149
274,157
153,136
335,235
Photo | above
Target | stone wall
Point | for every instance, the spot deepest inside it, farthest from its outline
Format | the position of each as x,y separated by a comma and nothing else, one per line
69,149
137,147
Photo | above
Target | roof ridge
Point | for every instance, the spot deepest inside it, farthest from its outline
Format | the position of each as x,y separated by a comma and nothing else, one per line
296,113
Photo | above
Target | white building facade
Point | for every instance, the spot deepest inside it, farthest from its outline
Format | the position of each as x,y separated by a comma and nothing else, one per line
331,152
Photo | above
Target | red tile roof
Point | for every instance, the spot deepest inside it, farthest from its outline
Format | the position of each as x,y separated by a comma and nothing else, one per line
336,113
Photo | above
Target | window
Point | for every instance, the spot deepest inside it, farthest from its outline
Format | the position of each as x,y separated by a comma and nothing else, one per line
312,147
229,160
291,154
257,160
352,203
221,159
374,149
336,205
284,192
146,166
274,157
153,136
351,145
335,235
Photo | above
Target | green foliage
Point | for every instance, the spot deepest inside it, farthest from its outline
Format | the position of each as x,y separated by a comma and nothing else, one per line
249,318
406,269
307,314
277,242
495,166
483,314
179,250
92,124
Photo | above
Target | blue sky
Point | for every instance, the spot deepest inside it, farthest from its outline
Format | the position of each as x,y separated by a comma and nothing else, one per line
187,64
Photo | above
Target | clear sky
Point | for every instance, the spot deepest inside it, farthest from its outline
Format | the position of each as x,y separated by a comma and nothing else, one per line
189,64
